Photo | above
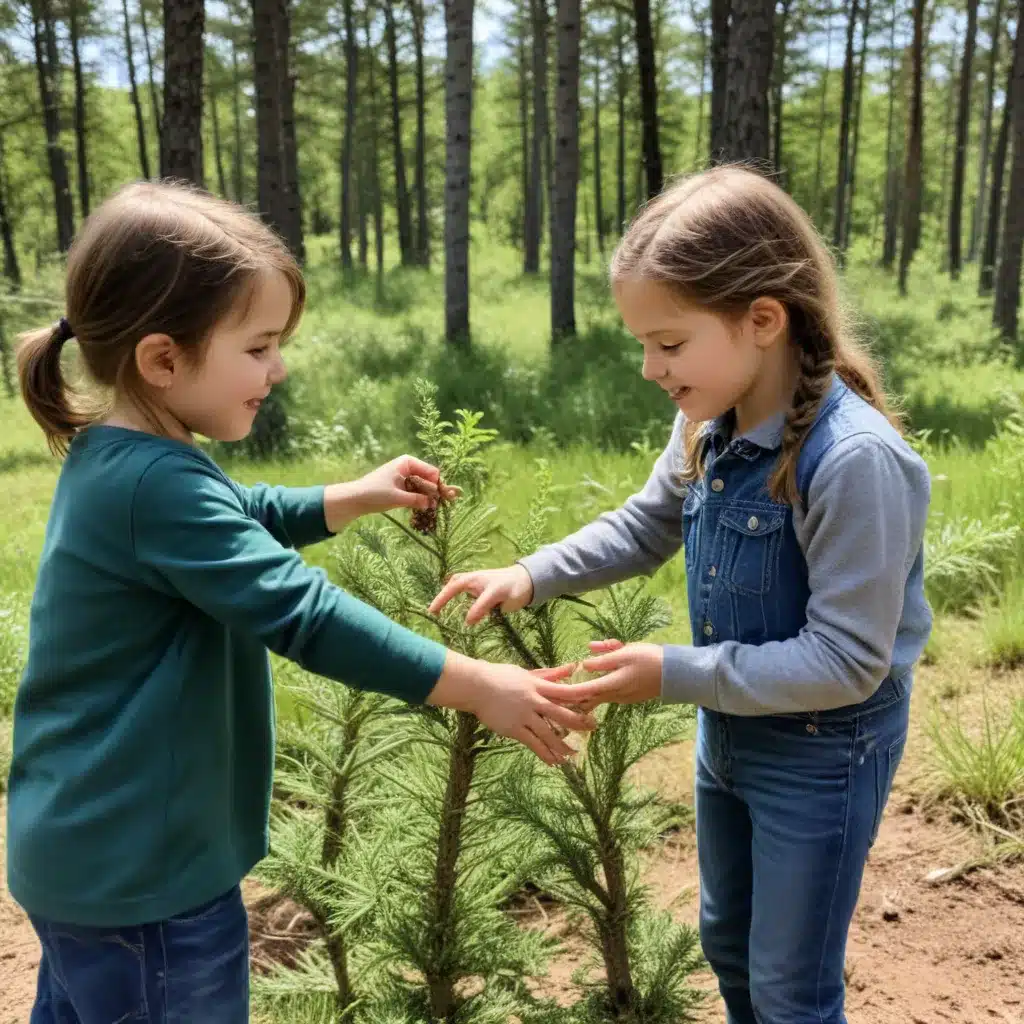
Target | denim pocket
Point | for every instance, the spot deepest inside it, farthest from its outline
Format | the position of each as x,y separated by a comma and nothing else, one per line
887,761
207,910
103,970
750,547
691,526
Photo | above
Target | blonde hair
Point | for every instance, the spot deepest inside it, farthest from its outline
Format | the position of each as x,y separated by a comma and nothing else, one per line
725,237
155,258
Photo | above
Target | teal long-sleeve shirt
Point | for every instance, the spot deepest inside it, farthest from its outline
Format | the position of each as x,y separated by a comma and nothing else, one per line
143,725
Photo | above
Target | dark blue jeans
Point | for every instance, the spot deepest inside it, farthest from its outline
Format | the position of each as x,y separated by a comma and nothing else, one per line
787,808
190,969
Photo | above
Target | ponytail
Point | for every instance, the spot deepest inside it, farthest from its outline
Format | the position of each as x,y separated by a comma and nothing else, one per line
46,393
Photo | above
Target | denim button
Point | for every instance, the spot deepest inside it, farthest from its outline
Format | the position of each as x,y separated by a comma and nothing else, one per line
718,484
753,523
712,572
708,629
812,728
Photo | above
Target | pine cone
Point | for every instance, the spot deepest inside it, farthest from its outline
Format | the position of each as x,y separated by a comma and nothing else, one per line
424,520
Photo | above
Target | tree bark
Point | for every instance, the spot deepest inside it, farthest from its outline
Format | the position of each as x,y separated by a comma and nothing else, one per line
534,212
236,110
293,195
720,12
422,224
986,276
154,96
140,123
779,72
1006,308
181,140
405,242
947,135
81,128
351,85
817,204
846,105
985,143
218,149
598,194
524,125
858,109
376,196
892,188
620,152
458,15
567,165
748,82
49,91
12,271
702,22
912,186
647,66
963,121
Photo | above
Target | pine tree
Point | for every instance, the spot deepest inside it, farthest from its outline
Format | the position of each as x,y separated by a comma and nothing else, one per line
404,831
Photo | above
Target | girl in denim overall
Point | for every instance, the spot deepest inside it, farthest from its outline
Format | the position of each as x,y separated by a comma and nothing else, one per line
802,512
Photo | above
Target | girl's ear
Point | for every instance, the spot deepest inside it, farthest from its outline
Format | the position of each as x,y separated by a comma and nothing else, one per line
157,358
768,320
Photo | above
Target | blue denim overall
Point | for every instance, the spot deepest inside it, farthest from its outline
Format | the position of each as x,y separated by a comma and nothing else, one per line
787,805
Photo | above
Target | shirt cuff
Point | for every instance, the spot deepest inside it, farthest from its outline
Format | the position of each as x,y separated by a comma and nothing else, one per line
308,520
688,675
545,586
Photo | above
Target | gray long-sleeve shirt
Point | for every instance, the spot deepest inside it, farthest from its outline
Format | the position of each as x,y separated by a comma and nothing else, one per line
861,533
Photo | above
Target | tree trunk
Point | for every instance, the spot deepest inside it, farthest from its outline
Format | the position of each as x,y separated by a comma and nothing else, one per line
236,109
458,16
1006,308
292,193
154,97
986,276
275,123
11,269
747,122
985,143
181,140
422,225
947,134
620,158
720,11
963,120
351,85
647,65
598,195
567,170
81,129
534,212
779,73
49,91
218,149
858,108
892,188
140,124
376,197
405,243
913,183
702,22
817,204
363,207
524,126
846,105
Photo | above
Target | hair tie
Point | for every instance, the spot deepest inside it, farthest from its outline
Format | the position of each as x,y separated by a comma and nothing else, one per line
64,331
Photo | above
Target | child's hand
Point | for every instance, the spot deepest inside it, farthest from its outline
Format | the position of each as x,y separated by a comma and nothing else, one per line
633,675
511,588
512,702
405,482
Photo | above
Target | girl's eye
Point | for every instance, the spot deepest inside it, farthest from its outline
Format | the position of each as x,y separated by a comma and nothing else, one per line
259,352
672,348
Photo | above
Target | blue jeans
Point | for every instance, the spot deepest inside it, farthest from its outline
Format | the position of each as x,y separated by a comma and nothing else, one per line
190,969
787,809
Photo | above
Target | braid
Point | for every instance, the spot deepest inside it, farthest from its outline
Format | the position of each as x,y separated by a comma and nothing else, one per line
817,364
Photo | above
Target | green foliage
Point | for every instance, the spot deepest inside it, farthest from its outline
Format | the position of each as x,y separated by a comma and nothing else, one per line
981,770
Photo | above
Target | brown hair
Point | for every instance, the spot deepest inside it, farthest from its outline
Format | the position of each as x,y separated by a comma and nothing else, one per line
725,237
155,258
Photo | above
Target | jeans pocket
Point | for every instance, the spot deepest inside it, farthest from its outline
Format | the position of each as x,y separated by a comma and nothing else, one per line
750,550
207,910
887,760
102,970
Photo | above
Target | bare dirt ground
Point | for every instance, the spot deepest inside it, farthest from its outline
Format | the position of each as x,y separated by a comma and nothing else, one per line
920,952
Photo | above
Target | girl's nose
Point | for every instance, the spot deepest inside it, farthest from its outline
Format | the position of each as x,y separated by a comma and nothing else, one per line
278,371
652,368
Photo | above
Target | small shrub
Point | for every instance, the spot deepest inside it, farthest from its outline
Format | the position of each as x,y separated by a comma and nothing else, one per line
980,773
1004,629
